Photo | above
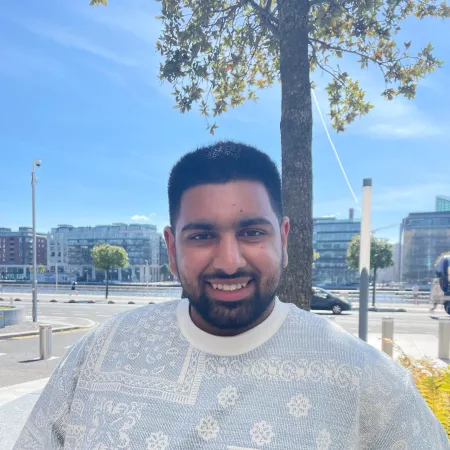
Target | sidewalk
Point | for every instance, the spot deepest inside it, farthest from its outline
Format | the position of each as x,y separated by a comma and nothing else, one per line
16,402
415,345
30,328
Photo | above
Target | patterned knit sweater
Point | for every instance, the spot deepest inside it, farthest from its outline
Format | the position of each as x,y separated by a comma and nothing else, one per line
149,379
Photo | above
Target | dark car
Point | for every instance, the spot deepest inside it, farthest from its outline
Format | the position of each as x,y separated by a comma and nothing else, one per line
325,300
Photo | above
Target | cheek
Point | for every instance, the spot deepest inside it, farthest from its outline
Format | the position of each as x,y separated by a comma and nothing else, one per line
265,257
193,261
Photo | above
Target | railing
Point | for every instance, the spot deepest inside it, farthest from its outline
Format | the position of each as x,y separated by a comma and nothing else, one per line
396,297
382,296
113,289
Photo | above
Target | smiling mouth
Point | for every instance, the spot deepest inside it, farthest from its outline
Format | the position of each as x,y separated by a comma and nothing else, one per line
229,287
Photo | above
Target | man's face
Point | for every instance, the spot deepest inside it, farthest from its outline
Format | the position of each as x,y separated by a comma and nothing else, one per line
228,250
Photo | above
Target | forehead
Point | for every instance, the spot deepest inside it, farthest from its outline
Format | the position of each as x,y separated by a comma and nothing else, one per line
224,203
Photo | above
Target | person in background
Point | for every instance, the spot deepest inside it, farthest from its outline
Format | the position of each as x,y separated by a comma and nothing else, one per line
73,288
415,291
436,294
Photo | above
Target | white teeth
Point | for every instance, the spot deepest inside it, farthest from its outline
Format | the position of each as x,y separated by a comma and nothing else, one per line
229,287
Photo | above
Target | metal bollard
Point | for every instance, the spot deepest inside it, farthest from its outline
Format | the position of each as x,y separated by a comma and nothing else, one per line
387,332
444,339
45,341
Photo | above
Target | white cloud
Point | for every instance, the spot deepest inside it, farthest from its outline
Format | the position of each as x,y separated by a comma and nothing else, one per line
69,39
138,218
399,119
137,20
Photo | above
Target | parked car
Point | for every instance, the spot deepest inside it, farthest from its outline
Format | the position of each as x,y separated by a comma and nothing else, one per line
325,300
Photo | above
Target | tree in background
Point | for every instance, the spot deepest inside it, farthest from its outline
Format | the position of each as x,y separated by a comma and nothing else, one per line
164,270
106,257
316,256
218,53
41,268
380,257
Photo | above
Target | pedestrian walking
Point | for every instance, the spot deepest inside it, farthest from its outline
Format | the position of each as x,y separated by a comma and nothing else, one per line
436,294
415,291
230,366
73,288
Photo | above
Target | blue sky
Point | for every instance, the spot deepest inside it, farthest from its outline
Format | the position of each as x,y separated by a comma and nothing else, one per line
79,90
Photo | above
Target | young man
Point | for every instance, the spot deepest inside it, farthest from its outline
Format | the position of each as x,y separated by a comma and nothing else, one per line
229,367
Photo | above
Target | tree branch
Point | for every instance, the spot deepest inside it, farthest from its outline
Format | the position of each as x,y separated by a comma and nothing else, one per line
268,19
329,72
354,52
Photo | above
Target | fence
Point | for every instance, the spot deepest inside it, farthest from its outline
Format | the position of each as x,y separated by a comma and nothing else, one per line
395,297
113,289
382,296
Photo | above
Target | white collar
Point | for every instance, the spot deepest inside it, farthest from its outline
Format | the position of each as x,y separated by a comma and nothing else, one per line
231,345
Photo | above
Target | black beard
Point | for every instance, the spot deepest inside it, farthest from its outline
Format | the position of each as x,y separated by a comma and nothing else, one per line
232,315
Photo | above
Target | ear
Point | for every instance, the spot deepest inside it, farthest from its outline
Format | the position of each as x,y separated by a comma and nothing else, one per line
171,250
285,227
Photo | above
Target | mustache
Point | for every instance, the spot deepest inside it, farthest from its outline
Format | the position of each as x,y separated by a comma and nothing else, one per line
226,276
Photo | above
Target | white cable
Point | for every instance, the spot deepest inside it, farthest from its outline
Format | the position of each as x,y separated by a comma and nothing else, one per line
333,147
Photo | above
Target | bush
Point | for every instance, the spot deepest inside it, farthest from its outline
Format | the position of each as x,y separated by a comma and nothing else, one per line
433,383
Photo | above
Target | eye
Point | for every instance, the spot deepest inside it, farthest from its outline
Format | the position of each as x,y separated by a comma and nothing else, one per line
253,233
201,237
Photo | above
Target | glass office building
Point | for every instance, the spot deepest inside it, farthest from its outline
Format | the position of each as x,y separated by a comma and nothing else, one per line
69,251
331,237
442,203
425,237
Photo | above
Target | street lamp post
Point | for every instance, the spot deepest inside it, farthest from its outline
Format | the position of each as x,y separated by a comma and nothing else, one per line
36,162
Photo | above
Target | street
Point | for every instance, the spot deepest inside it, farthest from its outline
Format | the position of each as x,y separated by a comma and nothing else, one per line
18,356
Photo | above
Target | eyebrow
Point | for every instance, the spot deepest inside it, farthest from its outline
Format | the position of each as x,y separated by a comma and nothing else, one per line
242,223
204,226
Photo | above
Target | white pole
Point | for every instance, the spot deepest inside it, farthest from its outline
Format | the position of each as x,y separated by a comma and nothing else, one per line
364,258
387,332
36,162
444,339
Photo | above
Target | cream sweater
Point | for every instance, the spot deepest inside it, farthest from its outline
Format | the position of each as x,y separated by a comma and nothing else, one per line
149,379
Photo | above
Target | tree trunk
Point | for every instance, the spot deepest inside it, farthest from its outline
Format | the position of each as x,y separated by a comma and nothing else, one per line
296,141
107,282
374,291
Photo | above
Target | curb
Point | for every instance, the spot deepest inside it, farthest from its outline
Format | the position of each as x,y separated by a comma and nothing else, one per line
36,333
387,310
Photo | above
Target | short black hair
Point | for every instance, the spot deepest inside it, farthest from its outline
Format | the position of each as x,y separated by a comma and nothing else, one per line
221,163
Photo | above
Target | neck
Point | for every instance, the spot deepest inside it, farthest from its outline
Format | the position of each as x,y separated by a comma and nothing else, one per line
207,327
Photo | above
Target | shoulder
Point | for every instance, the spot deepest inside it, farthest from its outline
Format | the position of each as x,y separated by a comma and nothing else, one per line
129,325
140,317
325,337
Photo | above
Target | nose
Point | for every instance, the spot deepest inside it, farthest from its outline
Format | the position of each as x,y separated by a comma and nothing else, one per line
229,258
